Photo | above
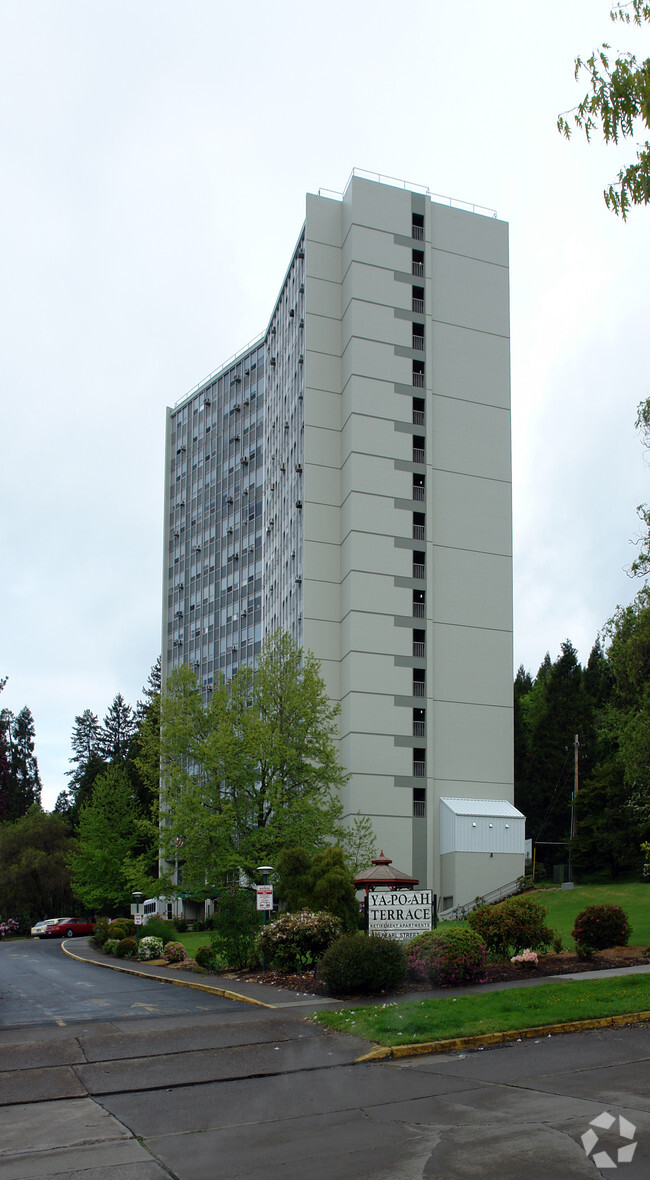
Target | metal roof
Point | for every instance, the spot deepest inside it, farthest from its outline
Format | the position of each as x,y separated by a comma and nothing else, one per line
492,807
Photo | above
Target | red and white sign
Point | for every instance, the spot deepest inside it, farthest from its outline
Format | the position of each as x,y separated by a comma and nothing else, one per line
138,919
264,897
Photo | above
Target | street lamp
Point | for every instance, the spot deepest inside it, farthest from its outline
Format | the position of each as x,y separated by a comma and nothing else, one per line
137,896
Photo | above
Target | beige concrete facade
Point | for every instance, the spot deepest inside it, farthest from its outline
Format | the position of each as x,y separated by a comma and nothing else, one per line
359,496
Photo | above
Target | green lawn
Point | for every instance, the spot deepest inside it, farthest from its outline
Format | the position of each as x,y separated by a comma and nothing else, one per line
564,905
193,940
489,1012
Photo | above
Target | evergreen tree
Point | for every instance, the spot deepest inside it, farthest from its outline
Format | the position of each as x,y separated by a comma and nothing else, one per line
117,731
104,864
20,783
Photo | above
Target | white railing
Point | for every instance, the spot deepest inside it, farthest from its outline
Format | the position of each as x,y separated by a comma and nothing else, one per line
395,182
457,913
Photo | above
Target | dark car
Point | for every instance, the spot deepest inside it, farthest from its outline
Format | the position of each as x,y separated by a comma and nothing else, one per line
67,928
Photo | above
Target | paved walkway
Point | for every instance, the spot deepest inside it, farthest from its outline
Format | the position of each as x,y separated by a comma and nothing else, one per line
266,996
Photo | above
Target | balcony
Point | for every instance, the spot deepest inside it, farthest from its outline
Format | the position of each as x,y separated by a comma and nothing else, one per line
419,808
418,454
417,232
419,688
418,417
418,380
419,610
418,306
417,269
418,492
418,570
418,342
418,728
418,532
419,650
419,769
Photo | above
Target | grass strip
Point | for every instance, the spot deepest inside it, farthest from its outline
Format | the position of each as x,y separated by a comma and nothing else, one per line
413,1021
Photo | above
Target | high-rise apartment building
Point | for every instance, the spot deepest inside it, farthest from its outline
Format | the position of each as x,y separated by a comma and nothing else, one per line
347,478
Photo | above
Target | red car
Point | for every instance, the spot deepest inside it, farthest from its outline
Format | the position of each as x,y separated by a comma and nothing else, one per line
67,928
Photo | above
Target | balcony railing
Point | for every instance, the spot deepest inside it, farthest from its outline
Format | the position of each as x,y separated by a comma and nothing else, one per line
418,342
418,492
418,610
419,650
418,570
418,532
418,728
419,807
417,268
418,417
418,454
417,232
419,688
418,380
419,769
418,306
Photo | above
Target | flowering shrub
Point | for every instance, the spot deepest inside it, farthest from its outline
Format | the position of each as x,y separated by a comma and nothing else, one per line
150,948
175,952
512,925
447,957
361,963
110,945
8,926
526,956
601,926
295,941
101,932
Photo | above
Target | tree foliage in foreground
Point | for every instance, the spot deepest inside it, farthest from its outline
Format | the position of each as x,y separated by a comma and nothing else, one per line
617,104
251,772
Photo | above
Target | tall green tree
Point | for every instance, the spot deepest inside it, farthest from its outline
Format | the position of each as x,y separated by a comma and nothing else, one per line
252,772
117,731
34,875
105,864
87,765
20,783
617,104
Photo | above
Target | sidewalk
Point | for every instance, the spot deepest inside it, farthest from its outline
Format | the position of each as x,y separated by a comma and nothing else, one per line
266,996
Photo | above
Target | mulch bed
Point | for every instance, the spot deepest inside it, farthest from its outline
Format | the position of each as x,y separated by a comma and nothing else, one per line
566,963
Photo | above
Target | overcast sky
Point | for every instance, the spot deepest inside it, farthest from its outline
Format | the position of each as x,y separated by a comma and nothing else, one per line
155,160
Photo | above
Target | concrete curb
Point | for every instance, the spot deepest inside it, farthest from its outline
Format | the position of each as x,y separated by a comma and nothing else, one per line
384,1053
199,987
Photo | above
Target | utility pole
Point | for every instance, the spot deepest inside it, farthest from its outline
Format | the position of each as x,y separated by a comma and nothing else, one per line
574,809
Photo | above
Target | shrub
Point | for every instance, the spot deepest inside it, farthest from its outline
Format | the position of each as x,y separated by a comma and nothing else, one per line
296,941
150,947
127,948
601,926
447,957
181,925
101,932
236,922
175,952
110,945
360,963
204,958
121,928
512,926
160,928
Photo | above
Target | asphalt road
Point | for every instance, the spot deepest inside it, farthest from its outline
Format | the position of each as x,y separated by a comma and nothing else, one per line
237,1093
40,985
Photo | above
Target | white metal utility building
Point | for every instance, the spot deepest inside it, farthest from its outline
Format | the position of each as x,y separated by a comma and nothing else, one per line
347,478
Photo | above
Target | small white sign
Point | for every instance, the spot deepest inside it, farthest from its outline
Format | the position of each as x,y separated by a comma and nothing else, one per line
138,919
264,897
400,915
